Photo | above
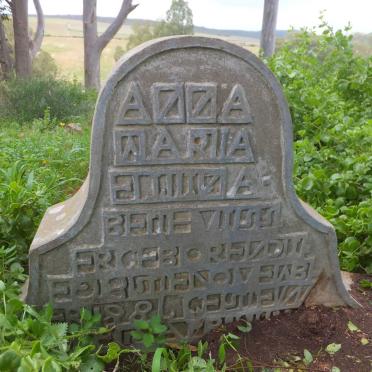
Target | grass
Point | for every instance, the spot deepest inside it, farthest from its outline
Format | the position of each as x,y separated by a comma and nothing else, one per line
58,154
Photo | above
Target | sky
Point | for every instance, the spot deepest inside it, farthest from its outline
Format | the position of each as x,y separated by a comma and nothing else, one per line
235,14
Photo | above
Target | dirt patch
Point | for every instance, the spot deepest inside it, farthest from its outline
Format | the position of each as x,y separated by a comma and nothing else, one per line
281,340
278,343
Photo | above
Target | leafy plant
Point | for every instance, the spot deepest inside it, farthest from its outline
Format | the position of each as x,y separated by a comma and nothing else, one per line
183,359
26,100
227,341
365,283
30,341
328,89
150,333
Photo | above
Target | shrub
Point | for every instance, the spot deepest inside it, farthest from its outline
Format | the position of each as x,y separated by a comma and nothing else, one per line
38,167
44,65
26,100
329,91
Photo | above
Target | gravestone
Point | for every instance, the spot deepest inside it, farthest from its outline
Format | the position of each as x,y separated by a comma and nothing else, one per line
189,210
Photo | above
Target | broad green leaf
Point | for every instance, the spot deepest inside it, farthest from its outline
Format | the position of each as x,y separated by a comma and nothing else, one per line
335,369
308,357
159,328
113,352
137,335
352,327
364,341
333,348
9,361
148,339
141,324
92,365
51,365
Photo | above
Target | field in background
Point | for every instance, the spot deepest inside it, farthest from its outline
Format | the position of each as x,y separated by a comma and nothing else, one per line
64,41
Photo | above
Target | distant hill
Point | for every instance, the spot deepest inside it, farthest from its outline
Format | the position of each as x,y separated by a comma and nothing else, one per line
197,29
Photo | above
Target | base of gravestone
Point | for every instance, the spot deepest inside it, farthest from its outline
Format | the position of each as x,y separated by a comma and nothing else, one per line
283,338
325,293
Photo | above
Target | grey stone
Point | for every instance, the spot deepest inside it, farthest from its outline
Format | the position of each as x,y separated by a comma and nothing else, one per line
189,209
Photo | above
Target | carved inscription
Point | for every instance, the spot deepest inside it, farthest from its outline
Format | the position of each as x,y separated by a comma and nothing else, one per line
198,145
111,273
184,282
148,223
179,103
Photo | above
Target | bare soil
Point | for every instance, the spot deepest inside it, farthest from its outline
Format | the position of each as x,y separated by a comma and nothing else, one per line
280,341
277,344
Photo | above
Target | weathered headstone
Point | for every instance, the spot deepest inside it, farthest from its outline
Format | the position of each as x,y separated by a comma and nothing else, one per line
189,209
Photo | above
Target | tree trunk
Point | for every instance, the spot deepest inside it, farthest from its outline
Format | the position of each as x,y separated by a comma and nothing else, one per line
35,44
93,45
92,64
91,55
21,39
6,62
270,15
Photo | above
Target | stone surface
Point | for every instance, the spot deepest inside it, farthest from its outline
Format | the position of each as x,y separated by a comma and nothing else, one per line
189,209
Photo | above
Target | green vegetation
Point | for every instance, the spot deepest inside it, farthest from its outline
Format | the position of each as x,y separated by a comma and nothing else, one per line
23,101
329,91
44,65
43,161
41,164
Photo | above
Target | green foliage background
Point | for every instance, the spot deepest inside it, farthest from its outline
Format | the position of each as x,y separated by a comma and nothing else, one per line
329,92
179,21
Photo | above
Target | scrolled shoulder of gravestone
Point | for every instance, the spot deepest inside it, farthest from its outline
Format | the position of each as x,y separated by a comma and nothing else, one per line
191,177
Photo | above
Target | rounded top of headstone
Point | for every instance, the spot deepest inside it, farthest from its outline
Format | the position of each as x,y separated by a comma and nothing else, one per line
233,75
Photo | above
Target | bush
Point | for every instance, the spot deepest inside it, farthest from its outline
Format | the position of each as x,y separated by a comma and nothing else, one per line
38,167
329,91
26,100
44,65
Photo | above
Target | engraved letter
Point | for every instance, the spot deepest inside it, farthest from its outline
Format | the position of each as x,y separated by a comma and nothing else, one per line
202,144
240,148
236,109
164,147
168,103
129,146
201,102
132,110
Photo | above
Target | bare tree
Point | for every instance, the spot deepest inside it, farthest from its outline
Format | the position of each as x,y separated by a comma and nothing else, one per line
35,43
270,15
94,44
25,48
